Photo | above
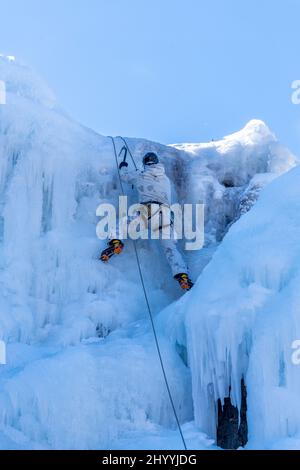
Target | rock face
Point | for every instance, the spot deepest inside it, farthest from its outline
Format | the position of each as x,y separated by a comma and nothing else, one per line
232,427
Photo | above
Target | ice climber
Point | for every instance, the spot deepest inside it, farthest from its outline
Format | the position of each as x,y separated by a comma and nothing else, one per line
154,188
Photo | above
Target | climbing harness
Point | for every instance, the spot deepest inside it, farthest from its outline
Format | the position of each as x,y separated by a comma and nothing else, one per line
146,297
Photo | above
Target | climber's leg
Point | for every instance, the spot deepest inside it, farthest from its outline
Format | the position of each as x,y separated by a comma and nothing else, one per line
177,263
173,256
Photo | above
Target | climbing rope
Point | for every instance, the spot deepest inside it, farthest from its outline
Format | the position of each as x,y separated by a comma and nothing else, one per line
147,300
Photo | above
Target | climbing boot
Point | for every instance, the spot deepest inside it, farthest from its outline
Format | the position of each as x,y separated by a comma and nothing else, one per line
184,281
115,247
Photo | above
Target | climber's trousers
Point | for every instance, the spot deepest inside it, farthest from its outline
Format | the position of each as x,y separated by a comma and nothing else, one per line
169,246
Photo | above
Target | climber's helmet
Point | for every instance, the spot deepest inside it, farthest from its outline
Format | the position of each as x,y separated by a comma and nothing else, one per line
150,159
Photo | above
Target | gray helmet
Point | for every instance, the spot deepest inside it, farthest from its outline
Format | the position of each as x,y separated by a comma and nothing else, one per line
150,159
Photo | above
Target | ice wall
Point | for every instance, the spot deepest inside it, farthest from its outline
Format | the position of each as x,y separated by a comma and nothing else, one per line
243,317
57,300
82,369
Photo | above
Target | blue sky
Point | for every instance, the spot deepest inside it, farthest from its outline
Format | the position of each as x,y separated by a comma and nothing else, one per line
167,70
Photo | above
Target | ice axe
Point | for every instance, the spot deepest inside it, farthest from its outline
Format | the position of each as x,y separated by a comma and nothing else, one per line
123,163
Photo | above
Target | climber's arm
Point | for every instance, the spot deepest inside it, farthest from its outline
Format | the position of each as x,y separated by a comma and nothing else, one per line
126,175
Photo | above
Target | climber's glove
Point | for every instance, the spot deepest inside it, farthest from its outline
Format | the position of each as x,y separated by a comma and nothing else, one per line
123,165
